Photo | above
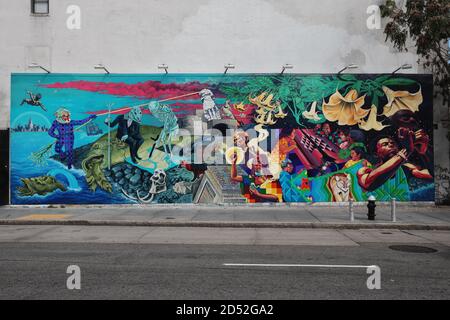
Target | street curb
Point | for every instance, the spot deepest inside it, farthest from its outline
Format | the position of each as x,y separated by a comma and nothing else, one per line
224,224
283,205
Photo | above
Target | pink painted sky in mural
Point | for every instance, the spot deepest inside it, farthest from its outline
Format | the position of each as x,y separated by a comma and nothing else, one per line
141,90
152,90
144,90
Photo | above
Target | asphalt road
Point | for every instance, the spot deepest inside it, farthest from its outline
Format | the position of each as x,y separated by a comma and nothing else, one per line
30,270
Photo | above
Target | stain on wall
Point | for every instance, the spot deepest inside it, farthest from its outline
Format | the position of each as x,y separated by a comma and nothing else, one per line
442,179
208,138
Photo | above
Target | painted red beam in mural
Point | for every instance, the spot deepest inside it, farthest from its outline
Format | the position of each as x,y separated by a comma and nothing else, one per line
146,104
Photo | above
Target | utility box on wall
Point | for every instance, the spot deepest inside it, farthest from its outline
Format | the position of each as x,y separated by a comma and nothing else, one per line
213,138
4,167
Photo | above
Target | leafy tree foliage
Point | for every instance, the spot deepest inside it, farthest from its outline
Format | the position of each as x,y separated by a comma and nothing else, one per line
427,24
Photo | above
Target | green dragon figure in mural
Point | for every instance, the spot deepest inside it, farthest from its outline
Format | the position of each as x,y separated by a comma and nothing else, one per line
40,186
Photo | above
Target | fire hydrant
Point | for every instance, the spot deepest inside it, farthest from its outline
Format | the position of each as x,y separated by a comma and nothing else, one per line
371,206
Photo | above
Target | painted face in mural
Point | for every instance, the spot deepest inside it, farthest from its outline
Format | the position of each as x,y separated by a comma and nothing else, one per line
257,167
405,119
66,117
326,129
386,148
343,136
257,171
134,115
355,156
241,139
62,115
289,168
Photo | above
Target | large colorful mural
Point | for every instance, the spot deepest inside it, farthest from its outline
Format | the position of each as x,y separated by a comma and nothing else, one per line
212,138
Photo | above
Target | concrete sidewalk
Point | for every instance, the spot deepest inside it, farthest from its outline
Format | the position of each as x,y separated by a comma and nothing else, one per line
308,216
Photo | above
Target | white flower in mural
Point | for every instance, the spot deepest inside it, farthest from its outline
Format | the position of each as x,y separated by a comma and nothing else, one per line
346,110
372,123
312,113
401,100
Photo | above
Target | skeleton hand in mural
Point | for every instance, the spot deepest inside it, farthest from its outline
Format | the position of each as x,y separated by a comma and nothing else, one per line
210,109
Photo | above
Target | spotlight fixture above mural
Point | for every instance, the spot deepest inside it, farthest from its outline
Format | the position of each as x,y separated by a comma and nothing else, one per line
35,65
286,66
164,66
405,66
350,66
102,67
229,66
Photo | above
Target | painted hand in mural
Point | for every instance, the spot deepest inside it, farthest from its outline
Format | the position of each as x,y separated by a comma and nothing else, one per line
210,110
234,176
421,140
406,138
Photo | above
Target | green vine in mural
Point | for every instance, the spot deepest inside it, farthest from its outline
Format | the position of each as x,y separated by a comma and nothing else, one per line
297,94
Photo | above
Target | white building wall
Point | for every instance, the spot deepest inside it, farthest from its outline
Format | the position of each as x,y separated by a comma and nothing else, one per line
200,36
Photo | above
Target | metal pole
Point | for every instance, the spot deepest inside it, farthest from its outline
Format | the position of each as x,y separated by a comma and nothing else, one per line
393,209
350,210
109,138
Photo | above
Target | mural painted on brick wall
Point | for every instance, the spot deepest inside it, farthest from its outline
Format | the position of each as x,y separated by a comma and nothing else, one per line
200,138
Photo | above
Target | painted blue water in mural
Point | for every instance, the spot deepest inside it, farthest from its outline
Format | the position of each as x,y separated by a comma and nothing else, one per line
25,143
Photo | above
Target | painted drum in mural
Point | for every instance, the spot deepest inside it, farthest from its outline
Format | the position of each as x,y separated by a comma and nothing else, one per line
208,138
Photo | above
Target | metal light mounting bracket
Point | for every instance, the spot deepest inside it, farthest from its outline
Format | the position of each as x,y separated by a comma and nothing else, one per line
102,67
286,66
35,65
163,66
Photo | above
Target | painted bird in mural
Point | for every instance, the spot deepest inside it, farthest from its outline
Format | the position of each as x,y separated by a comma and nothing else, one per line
34,100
